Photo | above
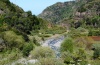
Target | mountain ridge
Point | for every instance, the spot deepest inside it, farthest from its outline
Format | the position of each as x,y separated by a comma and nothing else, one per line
58,11
62,10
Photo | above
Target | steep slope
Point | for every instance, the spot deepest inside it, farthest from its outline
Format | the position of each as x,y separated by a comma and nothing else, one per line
77,13
7,7
88,14
16,28
15,18
60,10
57,11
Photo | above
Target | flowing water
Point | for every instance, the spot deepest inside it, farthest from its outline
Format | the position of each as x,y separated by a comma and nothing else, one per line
54,44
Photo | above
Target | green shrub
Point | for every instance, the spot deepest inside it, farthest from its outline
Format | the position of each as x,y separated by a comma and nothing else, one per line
96,50
67,57
12,40
36,42
95,62
10,56
67,45
49,61
27,48
83,63
42,52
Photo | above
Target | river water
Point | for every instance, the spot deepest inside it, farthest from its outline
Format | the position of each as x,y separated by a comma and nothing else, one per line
54,44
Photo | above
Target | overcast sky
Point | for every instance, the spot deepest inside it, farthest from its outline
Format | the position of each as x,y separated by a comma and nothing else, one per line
36,6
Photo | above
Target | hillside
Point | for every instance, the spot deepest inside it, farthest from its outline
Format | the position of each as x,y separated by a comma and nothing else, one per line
16,26
60,10
20,29
57,11
71,9
64,34
15,17
74,14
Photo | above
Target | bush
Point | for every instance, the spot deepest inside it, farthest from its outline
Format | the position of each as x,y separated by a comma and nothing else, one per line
42,52
96,50
49,61
10,56
95,62
67,57
27,48
35,42
12,40
67,45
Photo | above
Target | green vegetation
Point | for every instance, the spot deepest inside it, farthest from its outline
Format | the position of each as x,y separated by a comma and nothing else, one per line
13,40
58,11
42,52
27,48
67,45
10,56
49,61
16,28
96,48
21,33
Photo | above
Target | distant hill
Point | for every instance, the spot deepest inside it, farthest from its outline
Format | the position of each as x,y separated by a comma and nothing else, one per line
60,10
88,14
72,10
57,11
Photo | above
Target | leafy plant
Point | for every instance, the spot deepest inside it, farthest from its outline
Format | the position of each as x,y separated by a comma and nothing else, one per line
27,48
96,47
67,45
42,52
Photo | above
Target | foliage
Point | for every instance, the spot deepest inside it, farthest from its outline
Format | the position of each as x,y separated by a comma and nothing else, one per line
96,62
36,42
27,48
13,40
67,57
16,18
67,45
94,32
96,47
58,11
81,8
10,56
42,52
49,61
16,26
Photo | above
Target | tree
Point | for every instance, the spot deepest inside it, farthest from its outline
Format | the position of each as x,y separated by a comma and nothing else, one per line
81,9
29,13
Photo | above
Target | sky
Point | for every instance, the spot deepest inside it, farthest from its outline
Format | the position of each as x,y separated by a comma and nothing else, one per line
35,6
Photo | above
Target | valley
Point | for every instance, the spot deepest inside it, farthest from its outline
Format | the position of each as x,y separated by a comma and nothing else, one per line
65,33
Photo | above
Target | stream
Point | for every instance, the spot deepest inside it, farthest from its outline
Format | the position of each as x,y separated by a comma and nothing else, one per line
54,44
